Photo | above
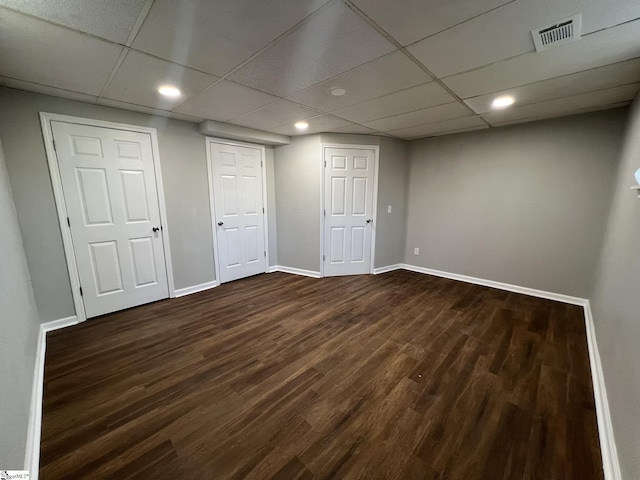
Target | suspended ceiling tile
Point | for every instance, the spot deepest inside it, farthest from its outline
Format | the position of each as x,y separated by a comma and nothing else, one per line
505,32
582,82
321,123
45,90
564,106
327,44
411,99
224,101
456,125
420,117
417,19
132,107
140,75
112,20
45,54
275,115
216,36
595,50
597,108
383,75
356,129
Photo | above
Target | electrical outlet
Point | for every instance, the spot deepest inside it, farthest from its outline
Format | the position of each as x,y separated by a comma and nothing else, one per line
416,251
389,209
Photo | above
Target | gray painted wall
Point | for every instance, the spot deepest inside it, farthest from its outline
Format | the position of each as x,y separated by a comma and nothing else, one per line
297,187
523,205
19,324
615,303
271,206
184,173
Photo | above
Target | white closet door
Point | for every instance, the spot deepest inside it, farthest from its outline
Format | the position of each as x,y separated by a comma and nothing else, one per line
110,192
239,211
348,210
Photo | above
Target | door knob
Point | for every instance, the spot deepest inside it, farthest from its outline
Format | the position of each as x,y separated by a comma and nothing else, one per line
369,220
155,229
220,224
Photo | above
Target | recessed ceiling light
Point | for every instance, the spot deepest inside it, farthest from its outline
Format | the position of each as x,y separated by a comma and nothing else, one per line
169,91
338,92
503,102
301,125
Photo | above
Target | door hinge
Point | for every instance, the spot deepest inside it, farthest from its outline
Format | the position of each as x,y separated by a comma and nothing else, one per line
265,253
68,222
260,163
81,292
262,209
324,212
325,164
323,258
54,146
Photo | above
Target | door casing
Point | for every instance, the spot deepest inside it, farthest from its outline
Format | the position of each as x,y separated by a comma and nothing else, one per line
61,206
209,141
376,155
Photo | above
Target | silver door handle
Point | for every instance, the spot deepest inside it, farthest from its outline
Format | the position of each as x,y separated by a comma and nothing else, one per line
220,224
155,229
369,220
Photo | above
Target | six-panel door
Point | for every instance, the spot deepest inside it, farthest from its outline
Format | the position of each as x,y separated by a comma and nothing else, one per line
237,190
348,210
110,192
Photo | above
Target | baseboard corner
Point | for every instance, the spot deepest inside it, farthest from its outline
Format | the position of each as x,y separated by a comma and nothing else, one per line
388,268
610,462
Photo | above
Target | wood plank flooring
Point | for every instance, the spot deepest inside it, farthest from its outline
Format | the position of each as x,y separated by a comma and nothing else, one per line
394,376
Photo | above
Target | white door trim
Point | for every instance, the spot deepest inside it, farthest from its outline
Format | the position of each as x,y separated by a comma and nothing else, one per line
61,207
376,155
262,148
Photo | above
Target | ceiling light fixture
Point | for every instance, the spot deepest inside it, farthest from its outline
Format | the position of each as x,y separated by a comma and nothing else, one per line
301,125
169,91
503,102
338,92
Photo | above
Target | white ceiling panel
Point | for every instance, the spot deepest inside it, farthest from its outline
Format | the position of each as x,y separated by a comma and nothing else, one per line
321,123
224,101
107,102
274,115
414,20
140,75
415,98
386,74
216,36
112,20
602,48
420,117
597,108
46,90
327,44
464,124
356,129
564,106
45,54
505,32
582,82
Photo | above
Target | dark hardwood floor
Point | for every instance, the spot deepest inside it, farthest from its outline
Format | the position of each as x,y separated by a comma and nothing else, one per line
394,376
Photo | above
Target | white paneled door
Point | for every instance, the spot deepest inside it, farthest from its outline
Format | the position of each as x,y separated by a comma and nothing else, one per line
237,176
110,192
348,210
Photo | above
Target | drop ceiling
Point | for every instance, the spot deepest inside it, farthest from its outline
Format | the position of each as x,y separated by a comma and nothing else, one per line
411,69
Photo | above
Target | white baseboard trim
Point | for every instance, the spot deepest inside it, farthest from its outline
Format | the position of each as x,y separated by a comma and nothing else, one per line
32,451
388,268
181,292
272,269
559,297
295,271
610,463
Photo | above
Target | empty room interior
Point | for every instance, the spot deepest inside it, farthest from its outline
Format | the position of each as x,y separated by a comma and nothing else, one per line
317,239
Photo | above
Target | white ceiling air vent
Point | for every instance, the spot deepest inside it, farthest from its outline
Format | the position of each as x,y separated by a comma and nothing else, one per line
558,33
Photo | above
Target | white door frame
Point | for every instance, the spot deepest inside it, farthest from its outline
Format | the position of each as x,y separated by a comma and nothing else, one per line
61,206
212,203
376,155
